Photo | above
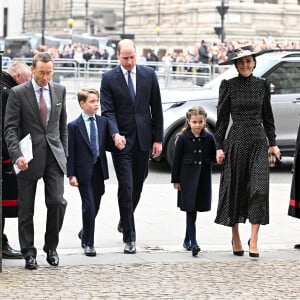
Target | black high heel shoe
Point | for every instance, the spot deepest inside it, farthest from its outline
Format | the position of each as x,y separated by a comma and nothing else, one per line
237,253
252,254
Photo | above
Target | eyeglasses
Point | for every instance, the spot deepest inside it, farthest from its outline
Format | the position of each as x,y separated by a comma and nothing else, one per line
43,73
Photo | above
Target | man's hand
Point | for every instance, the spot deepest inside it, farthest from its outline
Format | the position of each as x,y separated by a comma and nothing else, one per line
73,181
156,149
120,141
22,163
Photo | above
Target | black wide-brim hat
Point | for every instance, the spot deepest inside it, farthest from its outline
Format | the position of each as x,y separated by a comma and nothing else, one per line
239,53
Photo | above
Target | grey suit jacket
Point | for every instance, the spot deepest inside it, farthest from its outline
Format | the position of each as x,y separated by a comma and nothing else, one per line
23,116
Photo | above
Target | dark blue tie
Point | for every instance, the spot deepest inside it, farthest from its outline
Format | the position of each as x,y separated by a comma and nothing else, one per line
130,86
93,138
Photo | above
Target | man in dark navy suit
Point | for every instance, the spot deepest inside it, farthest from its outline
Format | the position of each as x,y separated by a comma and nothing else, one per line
130,99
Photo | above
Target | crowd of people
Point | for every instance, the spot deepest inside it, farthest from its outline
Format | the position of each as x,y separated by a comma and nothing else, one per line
206,51
131,128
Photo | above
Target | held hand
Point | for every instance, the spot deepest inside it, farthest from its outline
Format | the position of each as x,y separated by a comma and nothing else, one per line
120,141
156,149
22,163
276,151
73,181
177,186
220,156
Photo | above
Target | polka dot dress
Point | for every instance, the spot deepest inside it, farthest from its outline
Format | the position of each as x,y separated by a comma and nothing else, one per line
244,184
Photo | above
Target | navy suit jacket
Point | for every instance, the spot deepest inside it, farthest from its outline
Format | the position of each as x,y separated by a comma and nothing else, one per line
80,158
142,119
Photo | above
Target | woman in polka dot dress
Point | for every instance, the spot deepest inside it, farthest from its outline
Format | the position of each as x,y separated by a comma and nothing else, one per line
243,153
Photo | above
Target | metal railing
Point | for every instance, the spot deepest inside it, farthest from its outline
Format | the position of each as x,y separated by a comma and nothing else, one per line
76,74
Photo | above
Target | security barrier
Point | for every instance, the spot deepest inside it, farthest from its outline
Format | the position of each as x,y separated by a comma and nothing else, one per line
76,74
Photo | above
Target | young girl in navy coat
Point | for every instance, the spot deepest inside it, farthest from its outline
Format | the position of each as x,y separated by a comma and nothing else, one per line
195,151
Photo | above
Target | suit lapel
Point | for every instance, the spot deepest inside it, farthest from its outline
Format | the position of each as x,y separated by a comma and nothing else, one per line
82,130
31,100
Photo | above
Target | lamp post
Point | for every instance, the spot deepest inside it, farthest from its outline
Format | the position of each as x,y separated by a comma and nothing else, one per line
43,22
222,10
158,29
124,16
70,23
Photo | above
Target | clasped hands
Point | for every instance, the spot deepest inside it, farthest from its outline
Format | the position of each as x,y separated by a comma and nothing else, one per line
274,149
120,141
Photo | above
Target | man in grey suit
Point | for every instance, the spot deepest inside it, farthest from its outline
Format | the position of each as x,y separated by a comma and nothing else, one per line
38,108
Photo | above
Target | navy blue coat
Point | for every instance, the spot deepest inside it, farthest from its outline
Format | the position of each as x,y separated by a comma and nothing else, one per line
80,159
192,167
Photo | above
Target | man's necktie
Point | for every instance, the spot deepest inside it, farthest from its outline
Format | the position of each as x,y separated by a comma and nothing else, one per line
43,108
130,86
93,138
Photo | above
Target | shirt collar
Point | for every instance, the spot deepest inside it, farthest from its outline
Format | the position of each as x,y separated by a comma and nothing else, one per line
36,87
86,117
125,71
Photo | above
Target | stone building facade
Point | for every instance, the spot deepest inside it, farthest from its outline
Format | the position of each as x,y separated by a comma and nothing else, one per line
168,24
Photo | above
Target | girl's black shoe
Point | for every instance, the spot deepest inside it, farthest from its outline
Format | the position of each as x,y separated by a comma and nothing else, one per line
195,250
187,245
237,253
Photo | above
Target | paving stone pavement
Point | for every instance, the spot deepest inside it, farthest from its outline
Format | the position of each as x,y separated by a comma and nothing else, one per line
161,269
151,275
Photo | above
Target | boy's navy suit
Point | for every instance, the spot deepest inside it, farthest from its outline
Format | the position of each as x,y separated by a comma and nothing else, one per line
90,176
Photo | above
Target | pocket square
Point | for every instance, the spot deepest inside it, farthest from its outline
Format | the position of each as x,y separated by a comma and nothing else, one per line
57,104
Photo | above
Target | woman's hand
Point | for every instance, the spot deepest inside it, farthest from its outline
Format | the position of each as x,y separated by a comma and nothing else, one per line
220,156
276,151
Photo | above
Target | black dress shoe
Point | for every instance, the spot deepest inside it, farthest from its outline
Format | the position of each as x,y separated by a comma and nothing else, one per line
9,253
297,246
130,248
195,250
81,238
30,263
90,251
52,256
120,228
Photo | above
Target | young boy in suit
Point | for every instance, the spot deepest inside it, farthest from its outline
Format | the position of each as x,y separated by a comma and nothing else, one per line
87,163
